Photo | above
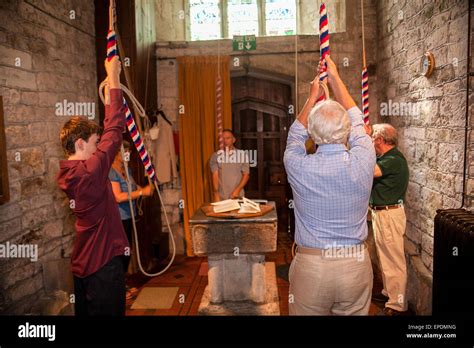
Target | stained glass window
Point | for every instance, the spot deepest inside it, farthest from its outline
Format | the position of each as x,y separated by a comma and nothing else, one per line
217,19
242,17
205,19
280,17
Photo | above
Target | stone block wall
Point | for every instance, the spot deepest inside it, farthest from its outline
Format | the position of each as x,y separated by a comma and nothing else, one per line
170,20
47,55
431,133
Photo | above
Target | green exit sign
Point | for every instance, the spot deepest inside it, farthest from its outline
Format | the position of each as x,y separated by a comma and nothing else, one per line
244,43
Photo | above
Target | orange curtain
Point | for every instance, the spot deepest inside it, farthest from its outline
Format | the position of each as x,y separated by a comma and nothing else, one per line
197,128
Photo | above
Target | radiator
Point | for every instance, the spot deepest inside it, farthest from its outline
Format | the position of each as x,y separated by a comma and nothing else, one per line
453,262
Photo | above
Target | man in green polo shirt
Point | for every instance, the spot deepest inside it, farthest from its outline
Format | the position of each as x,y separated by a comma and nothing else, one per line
388,217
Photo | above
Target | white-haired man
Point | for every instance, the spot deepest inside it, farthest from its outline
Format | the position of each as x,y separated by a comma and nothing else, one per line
331,273
388,217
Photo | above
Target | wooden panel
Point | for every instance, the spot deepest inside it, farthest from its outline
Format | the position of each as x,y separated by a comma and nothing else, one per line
261,158
145,66
4,187
248,120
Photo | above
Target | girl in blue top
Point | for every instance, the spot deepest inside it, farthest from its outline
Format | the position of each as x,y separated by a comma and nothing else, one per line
118,179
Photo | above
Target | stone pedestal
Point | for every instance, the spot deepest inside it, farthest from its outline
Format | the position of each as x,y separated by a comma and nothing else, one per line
270,306
237,278
236,248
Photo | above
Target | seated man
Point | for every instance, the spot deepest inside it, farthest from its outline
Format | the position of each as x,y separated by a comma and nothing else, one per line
331,272
230,170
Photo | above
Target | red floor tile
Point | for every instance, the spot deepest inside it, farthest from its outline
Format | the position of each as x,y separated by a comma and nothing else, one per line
203,269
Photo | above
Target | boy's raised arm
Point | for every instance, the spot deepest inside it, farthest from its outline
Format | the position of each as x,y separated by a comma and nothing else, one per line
101,161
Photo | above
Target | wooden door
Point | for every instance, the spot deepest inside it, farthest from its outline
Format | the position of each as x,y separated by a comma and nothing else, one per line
261,121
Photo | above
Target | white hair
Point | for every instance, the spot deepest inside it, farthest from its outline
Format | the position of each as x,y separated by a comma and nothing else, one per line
329,123
387,132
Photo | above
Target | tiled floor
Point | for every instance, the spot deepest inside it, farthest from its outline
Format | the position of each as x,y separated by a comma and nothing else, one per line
190,275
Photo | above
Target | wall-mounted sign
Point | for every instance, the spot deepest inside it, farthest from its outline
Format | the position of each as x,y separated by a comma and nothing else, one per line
244,43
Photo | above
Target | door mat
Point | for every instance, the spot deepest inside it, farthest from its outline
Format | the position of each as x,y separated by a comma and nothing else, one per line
155,298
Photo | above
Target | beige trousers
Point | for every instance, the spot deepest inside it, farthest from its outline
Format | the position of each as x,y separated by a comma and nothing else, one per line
330,286
389,229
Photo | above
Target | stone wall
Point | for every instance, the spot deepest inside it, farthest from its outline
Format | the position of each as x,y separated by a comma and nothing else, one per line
274,56
170,20
308,16
47,55
431,133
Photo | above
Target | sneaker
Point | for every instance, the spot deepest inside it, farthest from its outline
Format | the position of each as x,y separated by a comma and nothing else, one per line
379,297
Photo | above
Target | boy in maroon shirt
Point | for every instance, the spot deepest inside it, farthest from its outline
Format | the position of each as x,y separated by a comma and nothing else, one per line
100,243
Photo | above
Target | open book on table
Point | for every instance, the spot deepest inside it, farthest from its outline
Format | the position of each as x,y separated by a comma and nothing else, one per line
247,206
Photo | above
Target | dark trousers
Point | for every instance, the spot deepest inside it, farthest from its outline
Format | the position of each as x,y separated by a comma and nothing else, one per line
128,227
101,293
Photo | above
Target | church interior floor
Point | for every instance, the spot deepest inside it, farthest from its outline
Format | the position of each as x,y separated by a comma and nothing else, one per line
189,274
